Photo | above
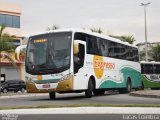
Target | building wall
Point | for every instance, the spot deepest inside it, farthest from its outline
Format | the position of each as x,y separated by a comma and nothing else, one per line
10,16
10,72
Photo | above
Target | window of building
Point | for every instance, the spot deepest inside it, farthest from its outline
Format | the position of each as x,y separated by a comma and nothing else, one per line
10,21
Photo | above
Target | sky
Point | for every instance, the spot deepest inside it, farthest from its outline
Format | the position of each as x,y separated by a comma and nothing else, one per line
116,17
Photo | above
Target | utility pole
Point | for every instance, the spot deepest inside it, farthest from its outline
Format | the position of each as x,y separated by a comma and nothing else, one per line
145,22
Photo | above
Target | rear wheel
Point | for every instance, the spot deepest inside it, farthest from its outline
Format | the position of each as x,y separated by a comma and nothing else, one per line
128,87
89,91
52,95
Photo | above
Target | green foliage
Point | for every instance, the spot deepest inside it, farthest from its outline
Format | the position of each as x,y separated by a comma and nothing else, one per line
97,30
6,46
6,41
156,53
130,38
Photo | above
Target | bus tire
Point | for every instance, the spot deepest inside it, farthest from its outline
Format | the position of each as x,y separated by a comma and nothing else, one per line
128,87
142,86
89,91
52,95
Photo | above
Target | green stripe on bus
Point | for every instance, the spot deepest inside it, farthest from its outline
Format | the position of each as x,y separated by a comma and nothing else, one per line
150,84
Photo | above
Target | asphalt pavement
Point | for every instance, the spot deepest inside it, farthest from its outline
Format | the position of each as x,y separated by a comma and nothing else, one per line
74,98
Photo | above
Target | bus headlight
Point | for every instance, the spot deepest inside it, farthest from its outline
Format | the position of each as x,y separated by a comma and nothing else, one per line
66,77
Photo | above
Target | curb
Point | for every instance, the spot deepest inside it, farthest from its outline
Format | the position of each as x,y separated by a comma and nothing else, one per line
26,95
144,95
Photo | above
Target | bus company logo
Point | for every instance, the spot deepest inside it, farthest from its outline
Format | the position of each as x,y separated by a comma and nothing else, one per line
100,65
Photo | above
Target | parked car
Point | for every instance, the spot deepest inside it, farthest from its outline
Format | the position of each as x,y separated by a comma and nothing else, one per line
13,85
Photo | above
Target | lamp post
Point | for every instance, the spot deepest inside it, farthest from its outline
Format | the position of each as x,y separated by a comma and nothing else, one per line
146,49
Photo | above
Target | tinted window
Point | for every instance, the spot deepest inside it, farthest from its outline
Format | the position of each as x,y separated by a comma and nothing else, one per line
107,48
10,21
2,19
147,68
157,69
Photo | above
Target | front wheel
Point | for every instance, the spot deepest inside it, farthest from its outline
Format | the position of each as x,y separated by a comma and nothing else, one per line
89,91
52,95
5,90
23,90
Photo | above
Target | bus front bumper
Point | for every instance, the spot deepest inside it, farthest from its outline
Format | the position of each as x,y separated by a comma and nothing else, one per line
61,86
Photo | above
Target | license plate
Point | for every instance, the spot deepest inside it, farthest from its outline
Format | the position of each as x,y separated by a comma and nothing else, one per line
46,86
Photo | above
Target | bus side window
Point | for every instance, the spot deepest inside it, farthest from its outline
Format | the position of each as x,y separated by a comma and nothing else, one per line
156,69
142,69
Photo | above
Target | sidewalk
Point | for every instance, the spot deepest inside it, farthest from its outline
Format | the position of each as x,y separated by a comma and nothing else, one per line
85,110
17,95
146,93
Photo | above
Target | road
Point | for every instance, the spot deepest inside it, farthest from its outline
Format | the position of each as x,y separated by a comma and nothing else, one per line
68,99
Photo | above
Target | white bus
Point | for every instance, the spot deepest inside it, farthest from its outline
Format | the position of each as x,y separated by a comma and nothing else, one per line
150,74
73,60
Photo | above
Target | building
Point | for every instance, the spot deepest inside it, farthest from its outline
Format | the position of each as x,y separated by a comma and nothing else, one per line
10,16
141,48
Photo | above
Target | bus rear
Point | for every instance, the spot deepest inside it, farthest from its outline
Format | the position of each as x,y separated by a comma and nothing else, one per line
151,74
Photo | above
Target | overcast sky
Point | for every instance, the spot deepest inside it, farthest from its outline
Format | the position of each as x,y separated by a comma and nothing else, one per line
113,16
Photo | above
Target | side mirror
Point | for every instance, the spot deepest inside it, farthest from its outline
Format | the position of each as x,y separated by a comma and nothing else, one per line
76,47
20,53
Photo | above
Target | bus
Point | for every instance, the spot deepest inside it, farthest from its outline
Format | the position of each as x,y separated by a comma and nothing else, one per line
150,74
75,60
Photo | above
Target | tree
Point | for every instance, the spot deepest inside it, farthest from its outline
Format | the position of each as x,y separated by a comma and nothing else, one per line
6,46
53,27
156,53
130,38
97,30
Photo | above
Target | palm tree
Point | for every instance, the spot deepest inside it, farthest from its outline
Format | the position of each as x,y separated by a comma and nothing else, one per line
6,46
130,38
156,53
53,27
97,30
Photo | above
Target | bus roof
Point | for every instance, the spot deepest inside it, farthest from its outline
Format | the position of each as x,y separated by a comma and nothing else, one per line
87,32
151,62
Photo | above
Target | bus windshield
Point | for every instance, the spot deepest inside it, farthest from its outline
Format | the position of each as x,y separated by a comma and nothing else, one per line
49,53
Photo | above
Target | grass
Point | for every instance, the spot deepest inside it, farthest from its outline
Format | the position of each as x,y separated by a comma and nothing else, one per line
81,105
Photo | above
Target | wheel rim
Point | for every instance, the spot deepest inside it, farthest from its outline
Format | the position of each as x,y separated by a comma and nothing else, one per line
23,90
5,90
129,87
